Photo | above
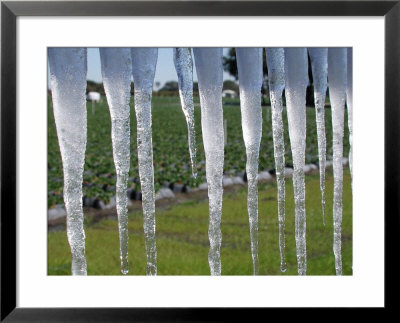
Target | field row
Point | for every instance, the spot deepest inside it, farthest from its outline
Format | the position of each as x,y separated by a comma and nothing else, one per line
170,148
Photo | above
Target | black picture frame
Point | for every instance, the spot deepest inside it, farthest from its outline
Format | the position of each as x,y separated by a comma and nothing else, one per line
10,10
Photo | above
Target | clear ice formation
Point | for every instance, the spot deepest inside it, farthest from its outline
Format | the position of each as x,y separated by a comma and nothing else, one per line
296,79
144,61
319,66
249,64
276,80
337,75
349,93
116,67
184,69
68,68
209,74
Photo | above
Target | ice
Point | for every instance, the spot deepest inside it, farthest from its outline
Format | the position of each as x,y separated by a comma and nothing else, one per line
337,75
209,73
68,68
349,93
276,80
319,65
184,68
250,64
144,61
296,78
116,67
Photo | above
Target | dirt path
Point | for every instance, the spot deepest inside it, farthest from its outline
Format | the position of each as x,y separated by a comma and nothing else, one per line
96,215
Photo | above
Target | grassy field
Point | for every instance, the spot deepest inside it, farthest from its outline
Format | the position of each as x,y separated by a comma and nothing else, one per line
182,240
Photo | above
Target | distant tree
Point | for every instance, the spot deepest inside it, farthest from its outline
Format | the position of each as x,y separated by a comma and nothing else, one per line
310,87
95,87
170,86
230,85
132,89
229,63
195,88
230,66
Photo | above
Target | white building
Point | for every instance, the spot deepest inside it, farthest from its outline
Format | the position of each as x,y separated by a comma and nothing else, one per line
93,96
229,94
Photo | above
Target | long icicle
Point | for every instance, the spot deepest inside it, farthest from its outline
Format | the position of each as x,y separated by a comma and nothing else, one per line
337,74
116,67
209,73
349,93
184,69
68,68
276,80
144,61
296,78
249,63
319,66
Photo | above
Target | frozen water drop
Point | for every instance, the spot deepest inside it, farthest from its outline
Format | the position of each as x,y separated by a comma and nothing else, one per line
319,66
337,74
276,77
249,61
184,68
144,61
349,93
68,68
296,79
116,66
209,74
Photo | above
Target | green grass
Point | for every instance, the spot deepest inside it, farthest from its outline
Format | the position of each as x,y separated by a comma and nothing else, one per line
182,240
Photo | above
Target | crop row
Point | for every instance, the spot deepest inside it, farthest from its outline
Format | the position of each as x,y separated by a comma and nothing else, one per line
170,147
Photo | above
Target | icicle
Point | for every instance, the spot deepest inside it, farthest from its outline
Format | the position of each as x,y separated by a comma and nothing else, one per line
209,73
249,63
349,93
68,67
337,74
319,65
276,79
116,67
296,77
144,61
184,68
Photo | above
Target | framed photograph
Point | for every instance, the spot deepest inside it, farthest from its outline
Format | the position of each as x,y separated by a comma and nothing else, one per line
32,291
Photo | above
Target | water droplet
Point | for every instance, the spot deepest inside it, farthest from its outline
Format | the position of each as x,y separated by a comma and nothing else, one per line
249,61
116,72
184,68
276,77
296,80
210,75
144,61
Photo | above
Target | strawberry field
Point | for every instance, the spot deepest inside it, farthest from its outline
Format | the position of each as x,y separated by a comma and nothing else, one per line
170,148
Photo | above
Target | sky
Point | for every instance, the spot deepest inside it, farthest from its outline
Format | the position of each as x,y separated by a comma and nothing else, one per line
165,70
